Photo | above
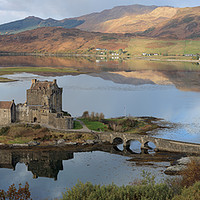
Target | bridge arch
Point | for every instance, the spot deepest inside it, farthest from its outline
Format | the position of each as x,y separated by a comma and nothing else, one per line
117,140
150,146
134,146
118,144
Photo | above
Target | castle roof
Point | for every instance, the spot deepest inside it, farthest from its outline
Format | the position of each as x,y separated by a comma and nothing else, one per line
36,85
6,104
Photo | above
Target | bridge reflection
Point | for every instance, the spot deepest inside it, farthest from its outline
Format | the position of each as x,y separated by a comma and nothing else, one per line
48,162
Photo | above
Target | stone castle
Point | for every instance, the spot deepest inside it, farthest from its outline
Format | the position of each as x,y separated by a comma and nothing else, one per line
43,106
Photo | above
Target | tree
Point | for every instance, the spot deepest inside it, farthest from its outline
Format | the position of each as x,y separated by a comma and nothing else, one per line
101,116
92,116
97,116
85,115
22,193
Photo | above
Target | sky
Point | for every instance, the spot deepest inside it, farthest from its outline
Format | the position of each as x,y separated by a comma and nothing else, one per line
11,10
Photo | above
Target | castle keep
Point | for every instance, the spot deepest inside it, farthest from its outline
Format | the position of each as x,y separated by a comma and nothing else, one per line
43,106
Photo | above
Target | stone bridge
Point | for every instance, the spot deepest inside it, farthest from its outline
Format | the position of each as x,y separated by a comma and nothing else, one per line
161,144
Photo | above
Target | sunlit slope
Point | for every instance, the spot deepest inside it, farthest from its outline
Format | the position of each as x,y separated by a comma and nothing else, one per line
60,40
136,22
95,21
184,24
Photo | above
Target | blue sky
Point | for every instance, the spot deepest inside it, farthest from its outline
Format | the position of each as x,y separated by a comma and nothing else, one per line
11,10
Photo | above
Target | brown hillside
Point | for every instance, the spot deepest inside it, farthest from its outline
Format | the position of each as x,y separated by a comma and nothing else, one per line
49,39
94,20
136,23
185,24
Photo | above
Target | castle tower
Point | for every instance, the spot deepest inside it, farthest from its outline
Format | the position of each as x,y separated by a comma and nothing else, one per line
45,94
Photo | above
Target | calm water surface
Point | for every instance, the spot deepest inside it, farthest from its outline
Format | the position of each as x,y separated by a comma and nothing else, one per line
177,102
85,92
96,167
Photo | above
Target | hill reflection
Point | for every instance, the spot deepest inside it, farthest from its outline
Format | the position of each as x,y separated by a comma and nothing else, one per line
185,76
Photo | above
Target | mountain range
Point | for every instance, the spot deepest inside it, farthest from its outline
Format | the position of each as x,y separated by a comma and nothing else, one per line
136,28
149,21
58,39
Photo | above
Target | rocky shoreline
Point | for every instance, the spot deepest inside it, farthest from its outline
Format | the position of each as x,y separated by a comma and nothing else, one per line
179,165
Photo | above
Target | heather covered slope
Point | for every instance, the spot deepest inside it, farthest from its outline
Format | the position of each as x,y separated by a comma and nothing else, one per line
95,21
184,25
132,23
54,39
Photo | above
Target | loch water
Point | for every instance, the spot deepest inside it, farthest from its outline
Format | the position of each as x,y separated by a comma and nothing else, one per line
173,95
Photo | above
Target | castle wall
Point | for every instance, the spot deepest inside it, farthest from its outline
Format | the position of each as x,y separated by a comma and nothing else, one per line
34,114
60,122
22,113
38,97
56,100
45,117
5,116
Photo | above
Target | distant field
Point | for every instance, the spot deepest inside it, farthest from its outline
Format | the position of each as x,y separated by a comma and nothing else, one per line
4,80
137,46
8,70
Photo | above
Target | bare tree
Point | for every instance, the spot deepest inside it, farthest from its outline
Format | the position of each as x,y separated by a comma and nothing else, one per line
101,116
92,116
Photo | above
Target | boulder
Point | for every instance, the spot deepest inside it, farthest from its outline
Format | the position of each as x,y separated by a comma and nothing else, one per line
179,165
175,170
61,141
71,143
33,143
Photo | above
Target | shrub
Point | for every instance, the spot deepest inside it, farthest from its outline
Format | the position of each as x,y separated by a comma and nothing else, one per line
37,126
22,193
4,130
191,174
190,193
112,192
146,189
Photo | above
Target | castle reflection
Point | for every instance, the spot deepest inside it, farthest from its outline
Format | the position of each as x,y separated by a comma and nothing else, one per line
41,163
48,162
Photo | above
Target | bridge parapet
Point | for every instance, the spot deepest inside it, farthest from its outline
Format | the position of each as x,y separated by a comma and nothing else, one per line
160,143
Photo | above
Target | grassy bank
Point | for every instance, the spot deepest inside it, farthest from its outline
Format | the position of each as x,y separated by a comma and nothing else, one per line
24,133
60,70
137,46
77,125
127,125
5,80
95,125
